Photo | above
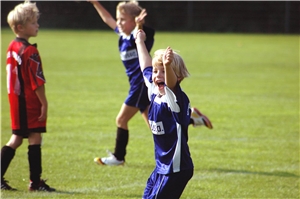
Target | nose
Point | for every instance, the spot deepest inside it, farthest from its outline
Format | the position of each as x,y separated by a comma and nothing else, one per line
160,74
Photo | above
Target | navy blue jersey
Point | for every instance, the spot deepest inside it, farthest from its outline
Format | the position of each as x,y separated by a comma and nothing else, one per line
129,55
169,118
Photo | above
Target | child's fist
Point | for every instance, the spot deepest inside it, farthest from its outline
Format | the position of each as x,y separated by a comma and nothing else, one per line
168,56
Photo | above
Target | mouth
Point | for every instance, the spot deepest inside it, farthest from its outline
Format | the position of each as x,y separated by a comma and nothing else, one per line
161,85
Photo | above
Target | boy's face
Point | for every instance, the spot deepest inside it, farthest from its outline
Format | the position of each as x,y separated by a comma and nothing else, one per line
158,77
30,29
125,23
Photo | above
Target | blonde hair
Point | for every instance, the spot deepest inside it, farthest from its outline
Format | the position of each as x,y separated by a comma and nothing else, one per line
130,8
177,64
21,14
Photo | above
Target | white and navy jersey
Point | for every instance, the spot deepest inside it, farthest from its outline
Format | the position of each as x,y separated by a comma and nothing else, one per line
169,118
129,55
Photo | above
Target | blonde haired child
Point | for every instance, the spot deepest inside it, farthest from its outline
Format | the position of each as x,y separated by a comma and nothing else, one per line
129,18
169,118
26,93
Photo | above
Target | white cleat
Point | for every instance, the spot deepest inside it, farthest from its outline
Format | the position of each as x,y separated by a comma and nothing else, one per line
111,160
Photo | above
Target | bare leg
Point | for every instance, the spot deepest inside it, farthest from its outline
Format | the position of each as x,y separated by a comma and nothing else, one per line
145,116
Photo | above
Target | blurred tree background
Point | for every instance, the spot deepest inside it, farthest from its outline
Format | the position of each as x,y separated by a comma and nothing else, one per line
198,16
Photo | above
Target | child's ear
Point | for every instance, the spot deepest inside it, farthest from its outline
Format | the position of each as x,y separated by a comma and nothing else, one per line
20,28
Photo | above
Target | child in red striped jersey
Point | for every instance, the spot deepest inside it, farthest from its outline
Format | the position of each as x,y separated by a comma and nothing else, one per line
26,93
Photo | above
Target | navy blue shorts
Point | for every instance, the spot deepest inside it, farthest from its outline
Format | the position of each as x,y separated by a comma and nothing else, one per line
167,186
138,97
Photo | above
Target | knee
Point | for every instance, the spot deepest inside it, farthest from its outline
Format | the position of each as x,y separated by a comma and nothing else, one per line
34,138
15,141
121,121
118,120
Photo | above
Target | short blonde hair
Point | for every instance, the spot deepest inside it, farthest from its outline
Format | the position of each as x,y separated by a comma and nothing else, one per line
177,64
21,14
130,8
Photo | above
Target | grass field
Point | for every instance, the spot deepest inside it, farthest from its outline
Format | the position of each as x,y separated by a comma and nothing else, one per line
248,85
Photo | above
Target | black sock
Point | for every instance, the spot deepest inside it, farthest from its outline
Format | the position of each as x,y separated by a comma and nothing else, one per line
191,121
35,163
121,143
7,154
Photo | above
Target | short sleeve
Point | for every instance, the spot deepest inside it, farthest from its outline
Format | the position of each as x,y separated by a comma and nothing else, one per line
35,69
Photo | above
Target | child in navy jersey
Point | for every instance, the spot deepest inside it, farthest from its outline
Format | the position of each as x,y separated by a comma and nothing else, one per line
126,27
26,93
169,118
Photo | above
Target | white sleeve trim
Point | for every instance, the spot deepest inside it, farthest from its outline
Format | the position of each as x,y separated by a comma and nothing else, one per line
171,100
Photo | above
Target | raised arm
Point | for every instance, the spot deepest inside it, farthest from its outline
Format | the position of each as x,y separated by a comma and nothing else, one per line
170,76
104,14
144,57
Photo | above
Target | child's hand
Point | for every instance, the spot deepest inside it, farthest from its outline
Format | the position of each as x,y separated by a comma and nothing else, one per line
140,36
43,115
168,56
139,20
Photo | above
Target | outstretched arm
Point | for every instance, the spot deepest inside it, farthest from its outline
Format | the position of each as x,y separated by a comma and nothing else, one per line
104,14
144,57
170,76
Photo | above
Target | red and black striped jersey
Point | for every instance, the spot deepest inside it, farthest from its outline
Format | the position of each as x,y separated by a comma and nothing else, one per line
24,76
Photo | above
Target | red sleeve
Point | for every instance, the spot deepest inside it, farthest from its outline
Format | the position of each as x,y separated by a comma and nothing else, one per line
34,66
12,61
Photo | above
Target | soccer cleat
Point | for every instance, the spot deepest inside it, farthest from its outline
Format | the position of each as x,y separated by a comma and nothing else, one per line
111,160
5,186
200,119
42,186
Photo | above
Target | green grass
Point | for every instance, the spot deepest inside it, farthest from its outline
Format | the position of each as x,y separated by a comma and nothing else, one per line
248,85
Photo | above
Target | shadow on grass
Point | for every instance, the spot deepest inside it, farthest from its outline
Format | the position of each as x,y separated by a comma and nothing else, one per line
66,192
275,173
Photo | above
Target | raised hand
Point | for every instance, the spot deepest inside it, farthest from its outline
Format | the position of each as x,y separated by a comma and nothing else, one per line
168,56
139,20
